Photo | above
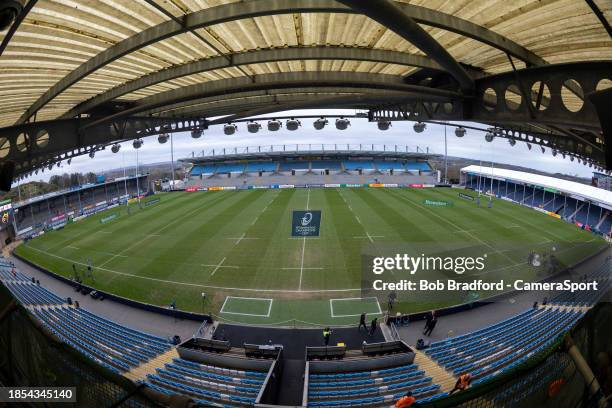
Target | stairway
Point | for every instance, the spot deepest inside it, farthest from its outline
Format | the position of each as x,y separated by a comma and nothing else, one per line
437,373
140,372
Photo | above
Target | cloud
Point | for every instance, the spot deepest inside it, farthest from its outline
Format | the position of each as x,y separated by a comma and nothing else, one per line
361,132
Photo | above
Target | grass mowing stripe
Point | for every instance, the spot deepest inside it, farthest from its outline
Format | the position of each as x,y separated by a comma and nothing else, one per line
158,232
400,223
451,223
350,248
169,266
97,227
171,260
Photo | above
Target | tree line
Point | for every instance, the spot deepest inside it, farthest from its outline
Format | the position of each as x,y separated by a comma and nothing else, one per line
55,183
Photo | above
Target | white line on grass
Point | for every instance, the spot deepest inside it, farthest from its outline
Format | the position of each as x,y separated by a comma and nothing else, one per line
368,236
302,264
303,246
222,266
331,306
157,234
218,266
270,301
239,239
197,285
72,247
302,268
454,225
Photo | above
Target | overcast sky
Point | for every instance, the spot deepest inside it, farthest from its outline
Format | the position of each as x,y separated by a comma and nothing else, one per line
471,146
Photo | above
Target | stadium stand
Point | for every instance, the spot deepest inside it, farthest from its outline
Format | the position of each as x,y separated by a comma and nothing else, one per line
575,204
261,166
358,165
213,373
294,165
486,352
230,168
388,165
325,165
124,350
209,385
55,209
386,379
423,166
199,170
32,294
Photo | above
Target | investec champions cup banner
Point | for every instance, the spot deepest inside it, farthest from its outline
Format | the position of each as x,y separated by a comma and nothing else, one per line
438,203
306,223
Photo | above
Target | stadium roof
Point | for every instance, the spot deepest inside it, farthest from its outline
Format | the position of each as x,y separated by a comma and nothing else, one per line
584,191
112,61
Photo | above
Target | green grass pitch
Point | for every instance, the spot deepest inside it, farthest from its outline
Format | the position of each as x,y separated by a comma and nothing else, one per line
234,246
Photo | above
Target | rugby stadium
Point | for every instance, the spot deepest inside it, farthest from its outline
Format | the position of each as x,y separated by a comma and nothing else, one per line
279,240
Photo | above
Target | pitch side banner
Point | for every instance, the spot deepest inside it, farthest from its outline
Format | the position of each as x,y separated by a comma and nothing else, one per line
306,223
466,197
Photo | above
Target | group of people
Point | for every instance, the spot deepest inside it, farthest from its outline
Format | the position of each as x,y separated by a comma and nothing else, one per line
362,323
373,324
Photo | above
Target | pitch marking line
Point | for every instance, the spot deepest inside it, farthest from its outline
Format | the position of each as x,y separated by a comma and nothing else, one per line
270,301
220,265
72,247
457,228
157,234
298,268
196,285
370,237
239,239
331,306
303,247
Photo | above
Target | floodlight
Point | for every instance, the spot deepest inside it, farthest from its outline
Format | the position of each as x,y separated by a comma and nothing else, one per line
197,133
274,125
163,138
230,128
460,131
92,154
383,124
292,124
419,127
342,123
320,123
137,143
253,127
